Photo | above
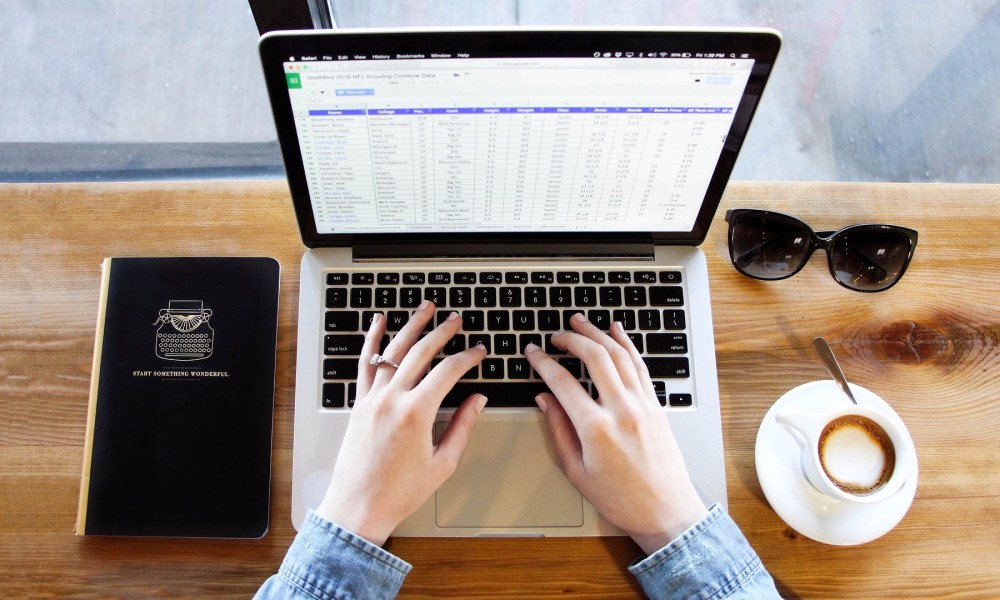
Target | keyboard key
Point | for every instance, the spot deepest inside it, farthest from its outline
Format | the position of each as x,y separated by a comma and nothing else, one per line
460,297
455,345
337,278
673,319
649,320
395,319
568,277
611,296
567,315
661,392
501,394
548,320
637,342
498,320
626,318
343,345
409,297
666,343
367,316
439,278
573,365
669,295
363,278
340,368
333,395
560,296
336,298
413,278
361,297
473,320
481,338
486,297
342,320
387,278
534,297
524,320
518,368
492,369
619,277
543,277
436,295
529,338
670,276
491,278
516,277
465,278
681,400
510,296
385,298
645,277
600,318
667,368
585,295
635,296
352,394
593,277
505,343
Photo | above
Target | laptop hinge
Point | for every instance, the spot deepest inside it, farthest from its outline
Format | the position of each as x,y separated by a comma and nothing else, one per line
450,251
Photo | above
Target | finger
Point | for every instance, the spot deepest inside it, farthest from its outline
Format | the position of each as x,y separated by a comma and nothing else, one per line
400,345
571,394
619,356
366,370
600,366
436,384
618,334
413,367
456,436
564,436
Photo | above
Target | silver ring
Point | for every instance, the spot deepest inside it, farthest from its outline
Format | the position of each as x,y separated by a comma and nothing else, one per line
378,360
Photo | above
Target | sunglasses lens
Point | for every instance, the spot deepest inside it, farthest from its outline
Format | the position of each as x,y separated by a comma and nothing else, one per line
870,257
768,246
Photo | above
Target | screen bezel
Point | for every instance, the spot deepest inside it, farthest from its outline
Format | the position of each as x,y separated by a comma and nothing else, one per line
276,48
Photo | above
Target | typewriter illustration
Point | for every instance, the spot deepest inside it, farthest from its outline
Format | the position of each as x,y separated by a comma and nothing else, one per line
184,332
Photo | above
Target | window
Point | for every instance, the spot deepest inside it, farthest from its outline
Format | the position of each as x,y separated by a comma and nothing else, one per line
863,91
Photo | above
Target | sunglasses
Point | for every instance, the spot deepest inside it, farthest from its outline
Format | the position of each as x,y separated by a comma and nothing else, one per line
864,258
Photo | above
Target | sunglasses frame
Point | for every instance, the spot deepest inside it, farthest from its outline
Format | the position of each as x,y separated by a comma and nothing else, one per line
817,240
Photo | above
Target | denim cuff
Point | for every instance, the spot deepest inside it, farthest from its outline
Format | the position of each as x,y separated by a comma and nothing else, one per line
711,560
329,561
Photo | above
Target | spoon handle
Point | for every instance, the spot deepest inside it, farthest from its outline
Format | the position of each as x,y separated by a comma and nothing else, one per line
830,361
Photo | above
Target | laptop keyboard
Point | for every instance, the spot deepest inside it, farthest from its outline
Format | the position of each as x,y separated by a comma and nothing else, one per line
506,310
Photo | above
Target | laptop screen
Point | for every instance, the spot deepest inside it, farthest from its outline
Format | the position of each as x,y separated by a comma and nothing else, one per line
619,134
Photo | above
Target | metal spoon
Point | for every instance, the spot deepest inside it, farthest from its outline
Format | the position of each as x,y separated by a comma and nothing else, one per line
830,361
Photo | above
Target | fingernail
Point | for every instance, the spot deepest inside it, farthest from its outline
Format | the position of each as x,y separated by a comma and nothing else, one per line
578,317
481,346
376,318
542,405
531,347
453,316
481,403
424,305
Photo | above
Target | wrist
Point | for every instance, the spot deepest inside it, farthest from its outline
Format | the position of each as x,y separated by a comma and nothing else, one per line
356,520
656,538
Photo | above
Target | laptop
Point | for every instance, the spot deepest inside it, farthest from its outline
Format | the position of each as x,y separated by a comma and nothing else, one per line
516,175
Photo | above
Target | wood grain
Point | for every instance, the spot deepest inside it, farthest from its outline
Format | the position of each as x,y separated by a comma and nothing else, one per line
929,347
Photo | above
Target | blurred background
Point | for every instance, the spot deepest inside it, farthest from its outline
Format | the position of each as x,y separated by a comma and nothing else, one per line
890,90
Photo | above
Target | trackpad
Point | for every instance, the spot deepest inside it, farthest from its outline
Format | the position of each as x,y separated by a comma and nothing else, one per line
509,476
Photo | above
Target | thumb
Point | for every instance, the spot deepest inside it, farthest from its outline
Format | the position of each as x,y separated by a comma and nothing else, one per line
564,436
456,437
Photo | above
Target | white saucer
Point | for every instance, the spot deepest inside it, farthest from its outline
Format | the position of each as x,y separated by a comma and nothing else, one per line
804,508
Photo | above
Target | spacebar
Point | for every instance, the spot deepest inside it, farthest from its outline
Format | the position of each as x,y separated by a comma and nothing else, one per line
500,393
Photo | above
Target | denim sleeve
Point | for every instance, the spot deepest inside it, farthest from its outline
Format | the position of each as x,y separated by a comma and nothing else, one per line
711,560
326,561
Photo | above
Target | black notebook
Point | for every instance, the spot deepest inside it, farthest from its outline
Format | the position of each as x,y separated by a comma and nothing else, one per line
181,399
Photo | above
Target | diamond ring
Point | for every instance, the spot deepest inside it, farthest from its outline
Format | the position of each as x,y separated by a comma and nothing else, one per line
379,360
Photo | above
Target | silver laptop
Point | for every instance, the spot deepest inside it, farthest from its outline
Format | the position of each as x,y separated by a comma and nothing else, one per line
517,176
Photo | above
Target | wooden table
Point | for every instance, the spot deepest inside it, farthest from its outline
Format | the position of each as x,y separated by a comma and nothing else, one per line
929,347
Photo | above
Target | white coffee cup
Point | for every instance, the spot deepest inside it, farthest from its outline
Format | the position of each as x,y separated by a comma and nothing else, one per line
852,453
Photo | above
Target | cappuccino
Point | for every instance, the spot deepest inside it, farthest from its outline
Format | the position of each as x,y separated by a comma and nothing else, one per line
856,454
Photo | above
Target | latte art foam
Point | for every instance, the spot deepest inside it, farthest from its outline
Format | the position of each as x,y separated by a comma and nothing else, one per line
856,454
